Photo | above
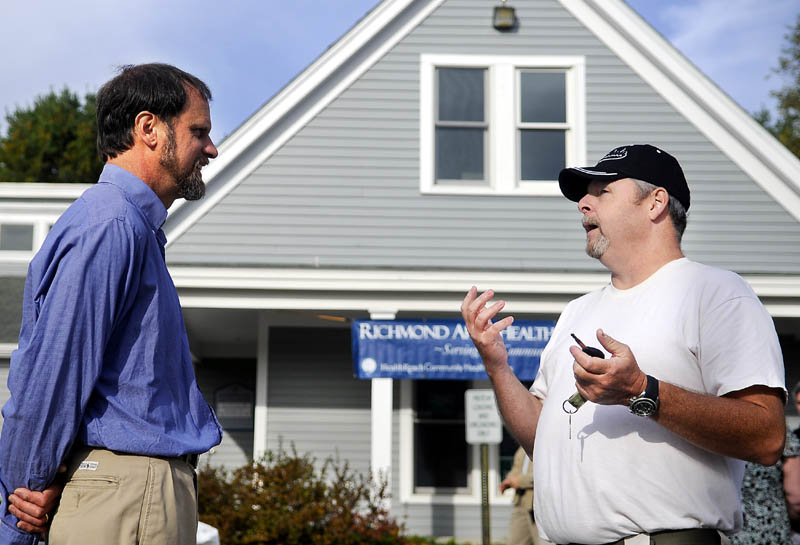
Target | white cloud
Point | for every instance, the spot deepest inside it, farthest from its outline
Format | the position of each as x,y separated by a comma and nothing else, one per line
735,42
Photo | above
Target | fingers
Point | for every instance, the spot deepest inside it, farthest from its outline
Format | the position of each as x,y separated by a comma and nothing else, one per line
31,529
586,363
476,313
468,298
39,500
28,522
613,346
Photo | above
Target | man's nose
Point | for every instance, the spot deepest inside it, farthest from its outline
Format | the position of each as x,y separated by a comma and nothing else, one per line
210,150
586,203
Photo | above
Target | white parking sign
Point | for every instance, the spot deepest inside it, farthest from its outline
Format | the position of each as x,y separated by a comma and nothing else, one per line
483,419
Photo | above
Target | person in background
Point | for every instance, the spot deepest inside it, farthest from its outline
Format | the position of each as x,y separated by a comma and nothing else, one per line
769,495
522,527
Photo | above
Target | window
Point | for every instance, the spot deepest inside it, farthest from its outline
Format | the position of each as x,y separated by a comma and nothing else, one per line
441,453
499,125
460,124
436,464
16,238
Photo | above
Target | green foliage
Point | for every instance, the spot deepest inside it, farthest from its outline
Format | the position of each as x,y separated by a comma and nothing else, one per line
787,125
52,141
283,500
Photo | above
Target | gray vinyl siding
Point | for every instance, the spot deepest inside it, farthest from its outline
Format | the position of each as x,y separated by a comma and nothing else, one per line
313,400
344,191
236,448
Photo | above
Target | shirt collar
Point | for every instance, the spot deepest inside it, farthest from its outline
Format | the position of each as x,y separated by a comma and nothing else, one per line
137,192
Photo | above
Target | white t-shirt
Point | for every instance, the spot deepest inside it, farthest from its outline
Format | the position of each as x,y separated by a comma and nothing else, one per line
691,325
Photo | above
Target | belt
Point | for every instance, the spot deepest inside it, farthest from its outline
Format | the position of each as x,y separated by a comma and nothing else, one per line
190,459
696,536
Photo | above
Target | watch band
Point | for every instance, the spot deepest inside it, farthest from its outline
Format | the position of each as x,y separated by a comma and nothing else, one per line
646,403
651,390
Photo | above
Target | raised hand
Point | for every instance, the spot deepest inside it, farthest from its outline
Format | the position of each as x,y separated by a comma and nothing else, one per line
484,333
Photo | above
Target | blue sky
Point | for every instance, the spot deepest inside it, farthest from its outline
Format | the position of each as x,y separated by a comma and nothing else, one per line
247,50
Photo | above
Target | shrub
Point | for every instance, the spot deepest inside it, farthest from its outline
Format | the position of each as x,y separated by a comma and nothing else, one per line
282,500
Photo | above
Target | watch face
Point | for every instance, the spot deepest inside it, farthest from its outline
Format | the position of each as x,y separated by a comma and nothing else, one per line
644,406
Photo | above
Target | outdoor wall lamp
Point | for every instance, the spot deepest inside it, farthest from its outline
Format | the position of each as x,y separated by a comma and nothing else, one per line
504,17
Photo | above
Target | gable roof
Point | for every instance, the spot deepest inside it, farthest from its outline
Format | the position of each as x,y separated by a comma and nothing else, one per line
748,145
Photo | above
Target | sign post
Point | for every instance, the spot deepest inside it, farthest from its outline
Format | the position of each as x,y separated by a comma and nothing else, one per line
484,427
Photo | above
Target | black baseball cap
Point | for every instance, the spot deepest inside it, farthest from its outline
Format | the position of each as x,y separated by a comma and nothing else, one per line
640,161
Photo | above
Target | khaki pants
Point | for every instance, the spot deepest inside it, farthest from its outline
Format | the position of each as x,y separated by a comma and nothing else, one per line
127,500
521,529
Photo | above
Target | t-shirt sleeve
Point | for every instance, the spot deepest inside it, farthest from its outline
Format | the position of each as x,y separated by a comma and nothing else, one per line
739,347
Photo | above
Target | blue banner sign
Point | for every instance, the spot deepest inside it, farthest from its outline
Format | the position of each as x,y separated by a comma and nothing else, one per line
440,349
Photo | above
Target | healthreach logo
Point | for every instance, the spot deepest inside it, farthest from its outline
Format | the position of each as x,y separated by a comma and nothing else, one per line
369,365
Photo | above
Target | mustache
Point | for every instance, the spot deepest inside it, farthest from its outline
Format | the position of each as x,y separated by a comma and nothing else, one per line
589,222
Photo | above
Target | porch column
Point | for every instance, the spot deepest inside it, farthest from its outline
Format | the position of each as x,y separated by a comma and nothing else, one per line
262,367
381,416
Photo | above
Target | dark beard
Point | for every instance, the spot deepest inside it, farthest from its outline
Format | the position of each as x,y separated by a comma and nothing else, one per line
190,181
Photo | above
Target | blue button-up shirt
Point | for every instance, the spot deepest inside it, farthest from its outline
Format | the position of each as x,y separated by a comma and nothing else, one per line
103,357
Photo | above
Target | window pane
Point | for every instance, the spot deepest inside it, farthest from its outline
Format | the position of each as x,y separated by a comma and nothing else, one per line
440,455
544,97
16,237
459,153
460,94
542,154
440,399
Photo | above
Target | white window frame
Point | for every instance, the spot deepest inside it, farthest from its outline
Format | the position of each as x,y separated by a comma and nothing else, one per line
41,226
406,452
502,94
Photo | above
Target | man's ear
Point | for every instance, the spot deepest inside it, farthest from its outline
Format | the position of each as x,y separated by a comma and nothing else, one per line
659,202
146,127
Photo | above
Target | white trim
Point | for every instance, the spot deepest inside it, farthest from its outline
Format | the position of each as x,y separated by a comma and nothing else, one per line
502,92
45,191
393,291
260,418
6,349
400,280
743,140
381,423
293,96
40,222
406,446
381,428
410,280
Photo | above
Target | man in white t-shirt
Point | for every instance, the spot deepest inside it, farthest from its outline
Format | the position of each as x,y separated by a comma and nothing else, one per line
690,385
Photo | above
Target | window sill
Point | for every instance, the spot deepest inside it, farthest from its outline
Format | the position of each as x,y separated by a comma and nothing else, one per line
454,499
527,189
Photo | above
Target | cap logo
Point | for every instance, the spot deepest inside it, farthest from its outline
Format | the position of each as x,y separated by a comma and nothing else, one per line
595,172
614,154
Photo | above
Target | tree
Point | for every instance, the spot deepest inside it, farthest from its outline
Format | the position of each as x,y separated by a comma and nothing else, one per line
52,141
787,125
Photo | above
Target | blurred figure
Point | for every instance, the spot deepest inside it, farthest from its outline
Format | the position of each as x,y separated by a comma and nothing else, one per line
522,528
770,496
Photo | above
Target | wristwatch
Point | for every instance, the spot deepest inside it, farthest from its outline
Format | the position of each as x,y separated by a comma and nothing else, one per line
646,403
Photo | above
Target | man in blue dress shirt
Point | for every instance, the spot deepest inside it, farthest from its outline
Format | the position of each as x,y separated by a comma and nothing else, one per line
102,381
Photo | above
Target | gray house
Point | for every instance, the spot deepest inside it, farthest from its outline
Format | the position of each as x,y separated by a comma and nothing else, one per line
416,157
